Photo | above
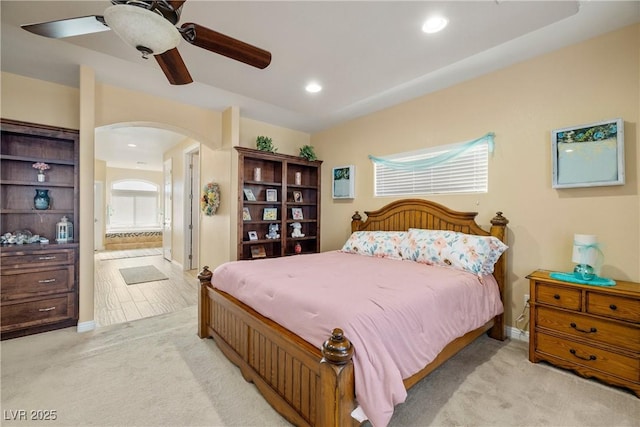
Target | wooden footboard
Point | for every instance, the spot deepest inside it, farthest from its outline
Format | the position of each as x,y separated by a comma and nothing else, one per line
306,385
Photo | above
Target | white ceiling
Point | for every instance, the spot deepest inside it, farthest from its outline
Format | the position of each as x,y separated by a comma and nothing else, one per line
366,55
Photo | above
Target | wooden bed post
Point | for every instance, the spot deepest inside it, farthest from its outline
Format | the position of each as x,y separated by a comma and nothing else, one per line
203,302
337,385
356,220
499,230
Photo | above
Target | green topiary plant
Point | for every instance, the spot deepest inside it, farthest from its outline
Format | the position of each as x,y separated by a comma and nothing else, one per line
263,143
307,152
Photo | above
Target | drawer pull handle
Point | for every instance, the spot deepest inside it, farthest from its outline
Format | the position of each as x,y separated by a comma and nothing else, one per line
46,258
613,307
47,309
590,331
46,281
591,356
556,296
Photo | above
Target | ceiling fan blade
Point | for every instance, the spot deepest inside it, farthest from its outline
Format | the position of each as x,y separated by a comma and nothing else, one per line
173,67
175,4
224,45
68,27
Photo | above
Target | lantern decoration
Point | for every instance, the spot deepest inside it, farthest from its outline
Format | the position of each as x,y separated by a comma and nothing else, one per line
64,231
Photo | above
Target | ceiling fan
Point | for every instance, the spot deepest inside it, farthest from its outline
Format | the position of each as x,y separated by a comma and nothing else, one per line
149,26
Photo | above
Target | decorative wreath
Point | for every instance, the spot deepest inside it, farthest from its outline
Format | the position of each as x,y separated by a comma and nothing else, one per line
210,199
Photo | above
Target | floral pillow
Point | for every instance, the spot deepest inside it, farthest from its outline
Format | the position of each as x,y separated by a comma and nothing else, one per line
383,244
475,254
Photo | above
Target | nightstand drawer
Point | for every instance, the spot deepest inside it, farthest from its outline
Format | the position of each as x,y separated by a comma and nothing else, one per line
614,306
27,283
586,327
568,298
584,355
37,312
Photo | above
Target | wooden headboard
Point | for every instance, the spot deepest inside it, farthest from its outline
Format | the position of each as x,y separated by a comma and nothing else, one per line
418,213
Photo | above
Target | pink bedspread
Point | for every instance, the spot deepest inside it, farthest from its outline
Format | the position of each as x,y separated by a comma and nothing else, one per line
398,314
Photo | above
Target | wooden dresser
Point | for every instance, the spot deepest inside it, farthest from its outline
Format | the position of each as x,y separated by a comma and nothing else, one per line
592,330
38,288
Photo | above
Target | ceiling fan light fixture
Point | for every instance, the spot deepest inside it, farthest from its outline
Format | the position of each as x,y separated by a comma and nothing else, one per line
141,28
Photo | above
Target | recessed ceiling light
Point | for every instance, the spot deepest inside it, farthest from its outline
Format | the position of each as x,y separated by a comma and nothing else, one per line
131,145
313,87
434,24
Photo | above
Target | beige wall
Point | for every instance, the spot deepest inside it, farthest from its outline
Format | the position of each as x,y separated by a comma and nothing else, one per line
287,141
522,104
37,101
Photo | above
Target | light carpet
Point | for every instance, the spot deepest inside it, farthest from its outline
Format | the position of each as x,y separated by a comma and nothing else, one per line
157,372
141,274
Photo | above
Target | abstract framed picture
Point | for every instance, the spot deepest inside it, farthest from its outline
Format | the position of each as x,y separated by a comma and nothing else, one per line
589,155
343,182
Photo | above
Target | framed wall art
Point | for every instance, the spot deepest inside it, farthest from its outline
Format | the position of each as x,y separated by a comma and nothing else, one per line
343,182
588,155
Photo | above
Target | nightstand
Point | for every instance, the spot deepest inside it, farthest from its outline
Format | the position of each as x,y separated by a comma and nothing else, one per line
592,330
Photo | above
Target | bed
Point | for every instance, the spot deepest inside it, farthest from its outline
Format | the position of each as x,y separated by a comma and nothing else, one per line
315,385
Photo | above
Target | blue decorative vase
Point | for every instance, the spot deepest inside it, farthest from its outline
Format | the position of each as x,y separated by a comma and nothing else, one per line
41,200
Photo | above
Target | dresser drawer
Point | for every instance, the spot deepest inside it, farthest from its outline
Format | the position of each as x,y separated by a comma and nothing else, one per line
22,283
568,298
617,334
584,355
614,306
40,258
37,312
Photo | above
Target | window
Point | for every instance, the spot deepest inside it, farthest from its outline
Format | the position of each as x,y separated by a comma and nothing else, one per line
134,205
464,173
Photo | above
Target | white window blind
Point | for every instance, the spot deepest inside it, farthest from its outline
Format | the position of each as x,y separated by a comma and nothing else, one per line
465,173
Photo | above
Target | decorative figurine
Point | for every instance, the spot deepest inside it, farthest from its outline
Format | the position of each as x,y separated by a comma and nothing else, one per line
297,227
273,232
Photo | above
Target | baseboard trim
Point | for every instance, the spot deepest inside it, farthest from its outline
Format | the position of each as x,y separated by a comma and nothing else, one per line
517,334
86,326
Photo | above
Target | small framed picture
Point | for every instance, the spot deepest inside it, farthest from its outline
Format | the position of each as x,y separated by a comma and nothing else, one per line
297,196
296,213
272,195
246,215
343,182
249,195
270,214
258,251
253,235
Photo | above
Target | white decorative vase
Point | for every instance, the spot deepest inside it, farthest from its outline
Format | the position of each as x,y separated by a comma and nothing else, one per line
41,177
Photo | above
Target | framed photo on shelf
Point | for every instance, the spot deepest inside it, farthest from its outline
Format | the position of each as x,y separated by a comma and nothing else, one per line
272,195
258,251
246,215
588,155
296,213
343,182
297,196
249,195
270,214
253,235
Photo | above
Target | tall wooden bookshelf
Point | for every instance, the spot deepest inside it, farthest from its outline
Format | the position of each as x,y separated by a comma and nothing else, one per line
39,280
284,186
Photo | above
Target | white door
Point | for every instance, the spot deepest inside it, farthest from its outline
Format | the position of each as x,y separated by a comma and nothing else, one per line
98,212
168,213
